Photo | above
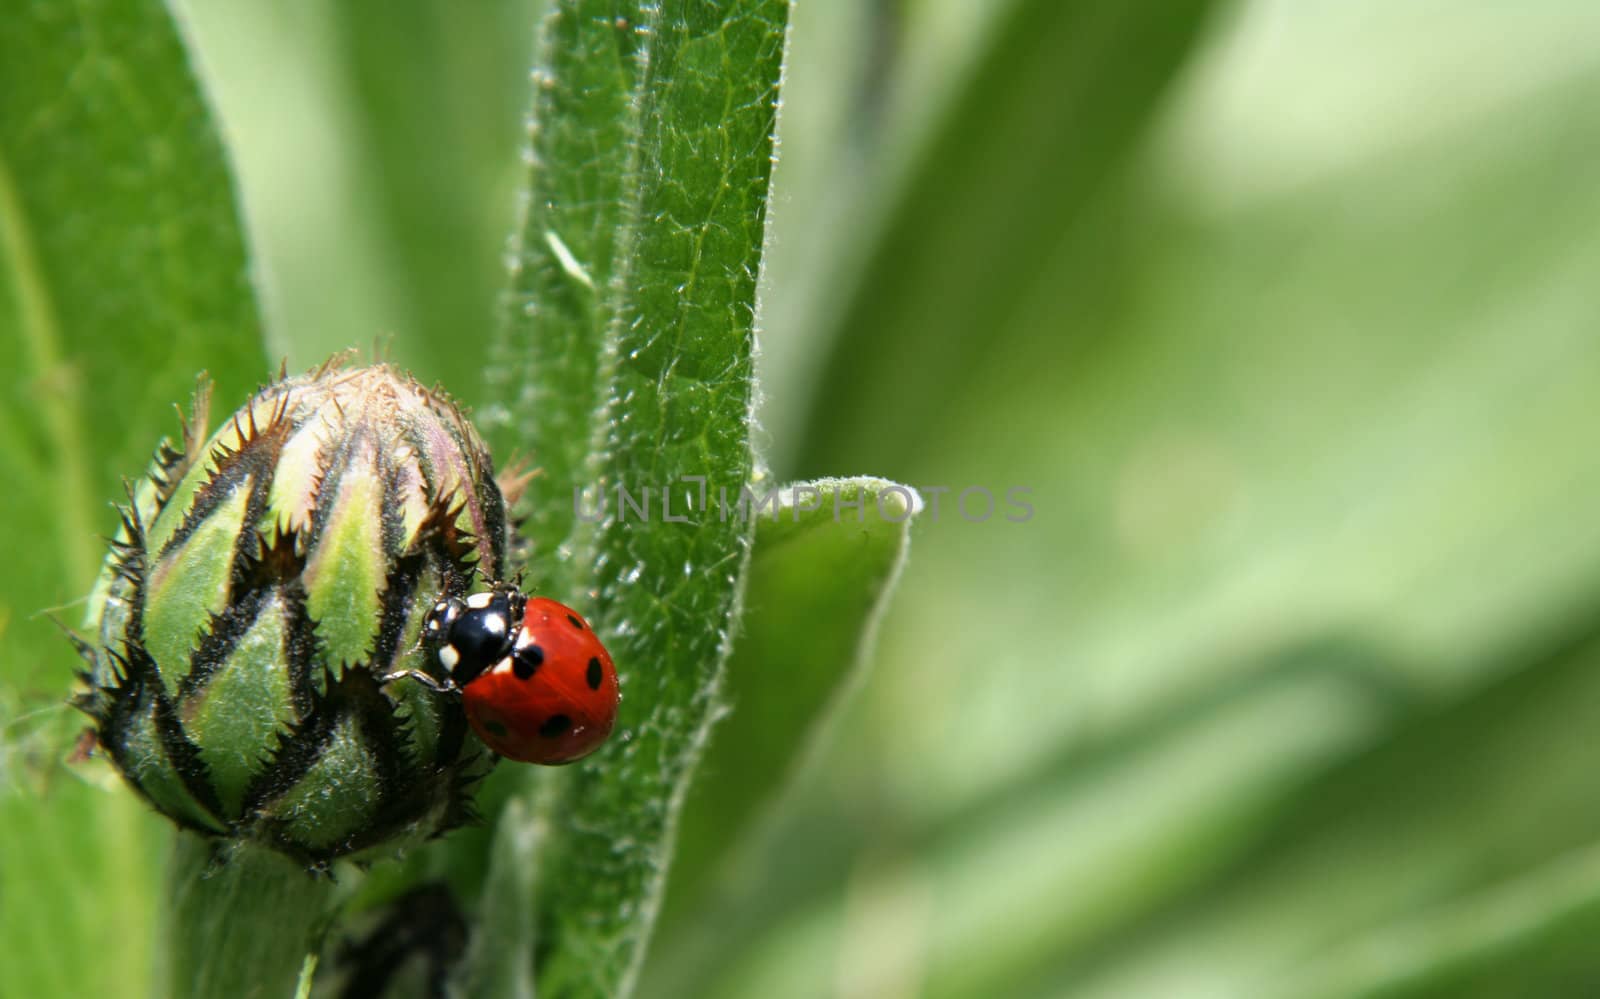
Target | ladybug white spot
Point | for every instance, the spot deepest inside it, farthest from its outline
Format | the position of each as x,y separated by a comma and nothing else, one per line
478,601
449,656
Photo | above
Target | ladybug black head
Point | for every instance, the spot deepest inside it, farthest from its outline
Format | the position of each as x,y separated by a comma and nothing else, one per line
471,635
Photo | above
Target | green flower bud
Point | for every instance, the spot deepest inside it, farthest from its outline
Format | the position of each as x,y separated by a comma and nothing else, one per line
264,584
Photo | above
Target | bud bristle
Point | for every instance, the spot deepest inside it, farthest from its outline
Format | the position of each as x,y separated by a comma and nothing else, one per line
262,581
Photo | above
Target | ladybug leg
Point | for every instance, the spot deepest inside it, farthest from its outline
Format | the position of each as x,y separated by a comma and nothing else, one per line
433,683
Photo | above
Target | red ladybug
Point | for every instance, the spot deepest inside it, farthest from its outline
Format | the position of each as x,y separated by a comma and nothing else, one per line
536,684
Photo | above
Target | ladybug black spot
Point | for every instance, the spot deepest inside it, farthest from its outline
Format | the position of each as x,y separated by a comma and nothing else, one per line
575,622
594,675
496,729
554,726
526,660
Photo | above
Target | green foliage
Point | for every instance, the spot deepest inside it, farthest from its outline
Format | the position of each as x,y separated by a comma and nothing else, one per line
432,166
121,262
246,922
664,391
583,144
122,272
1393,892
632,333
1279,689
1306,383
802,648
929,274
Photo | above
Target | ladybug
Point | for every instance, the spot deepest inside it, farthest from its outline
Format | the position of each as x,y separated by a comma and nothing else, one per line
535,682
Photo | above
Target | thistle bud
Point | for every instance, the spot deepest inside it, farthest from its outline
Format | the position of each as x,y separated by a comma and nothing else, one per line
264,585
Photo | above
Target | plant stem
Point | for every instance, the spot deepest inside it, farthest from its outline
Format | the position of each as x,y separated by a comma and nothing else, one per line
239,926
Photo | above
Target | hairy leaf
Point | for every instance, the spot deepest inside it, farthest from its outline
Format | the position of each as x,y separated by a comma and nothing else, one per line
825,563
627,365
546,378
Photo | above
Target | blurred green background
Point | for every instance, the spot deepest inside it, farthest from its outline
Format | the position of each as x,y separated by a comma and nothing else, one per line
1285,313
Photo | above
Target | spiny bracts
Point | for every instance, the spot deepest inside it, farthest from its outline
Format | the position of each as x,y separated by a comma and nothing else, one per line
263,584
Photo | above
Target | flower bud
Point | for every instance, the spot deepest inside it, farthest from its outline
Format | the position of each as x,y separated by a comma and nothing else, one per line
264,584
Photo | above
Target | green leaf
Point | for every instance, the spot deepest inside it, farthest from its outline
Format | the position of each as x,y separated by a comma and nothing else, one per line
585,126
81,866
955,227
1530,934
1035,872
117,230
122,274
1471,830
1162,498
627,364
823,568
1346,395
431,159
376,145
